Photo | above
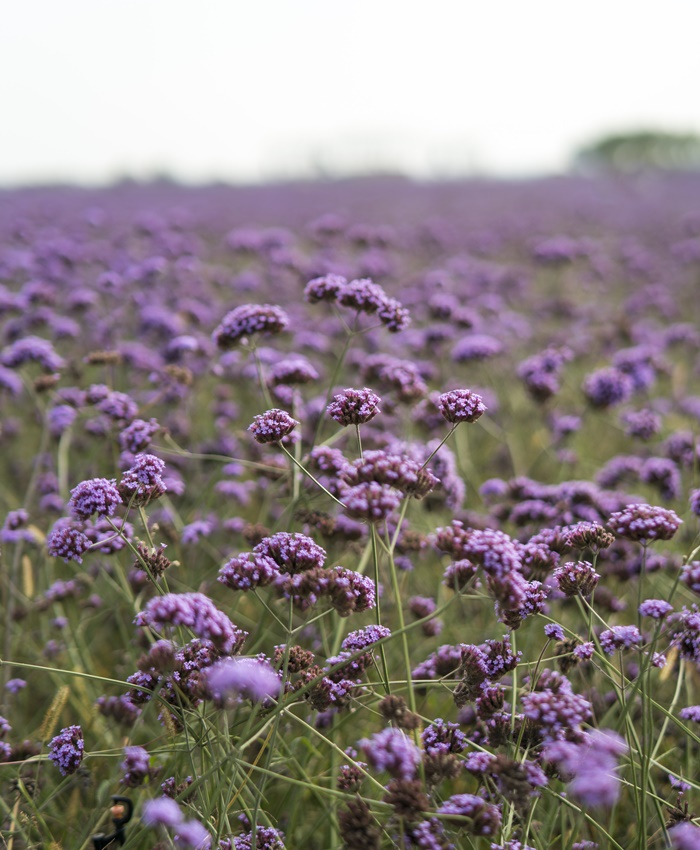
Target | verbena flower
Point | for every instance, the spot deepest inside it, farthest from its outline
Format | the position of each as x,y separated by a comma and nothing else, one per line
690,576
554,631
248,571
32,349
393,751
94,496
607,387
266,838
292,552
354,407
249,678
485,818
657,609
645,522
461,406
589,766
136,766
196,612
685,836
576,577
371,501
246,320
442,737
272,426
192,834
620,637
162,811
67,748
67,541
143,481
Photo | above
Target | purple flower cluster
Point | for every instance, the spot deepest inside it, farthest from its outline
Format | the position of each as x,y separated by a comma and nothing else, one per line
272,426
461,406
67,541
393,751
249,319
292,553
354,407
136,767
95,496
553,709
196,612
589,766
620,637
67,748
249,678
143,481
645,522
362,295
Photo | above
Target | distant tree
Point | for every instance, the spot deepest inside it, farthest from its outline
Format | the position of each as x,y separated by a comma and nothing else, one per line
642,150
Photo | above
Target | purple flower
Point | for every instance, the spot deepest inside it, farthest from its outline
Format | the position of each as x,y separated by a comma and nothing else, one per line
324,288
192,834
685,836
67,541
272,426
644,523
620,637
476,347
690,576
350,591
135,766
397,470
14,686
60,418
136,437
393,751
442,737
292,553
691,712
250,678
554,631
607,387
657,609
94,496
576,577
362,295
584,651
196,612
119,407
163,811
293,370
587,535
32,349
663,474
362,638
393,315
371,501
554,709
461,406
66,749
354,407
248,571
695,502
142,481
641,423
246,320
266,838
485,817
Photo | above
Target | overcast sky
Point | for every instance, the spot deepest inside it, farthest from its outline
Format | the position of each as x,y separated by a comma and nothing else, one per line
91,90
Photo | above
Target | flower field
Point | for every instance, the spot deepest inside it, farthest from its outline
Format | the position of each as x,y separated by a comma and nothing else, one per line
351,515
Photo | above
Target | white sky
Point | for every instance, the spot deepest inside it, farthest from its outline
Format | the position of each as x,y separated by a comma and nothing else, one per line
91,90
